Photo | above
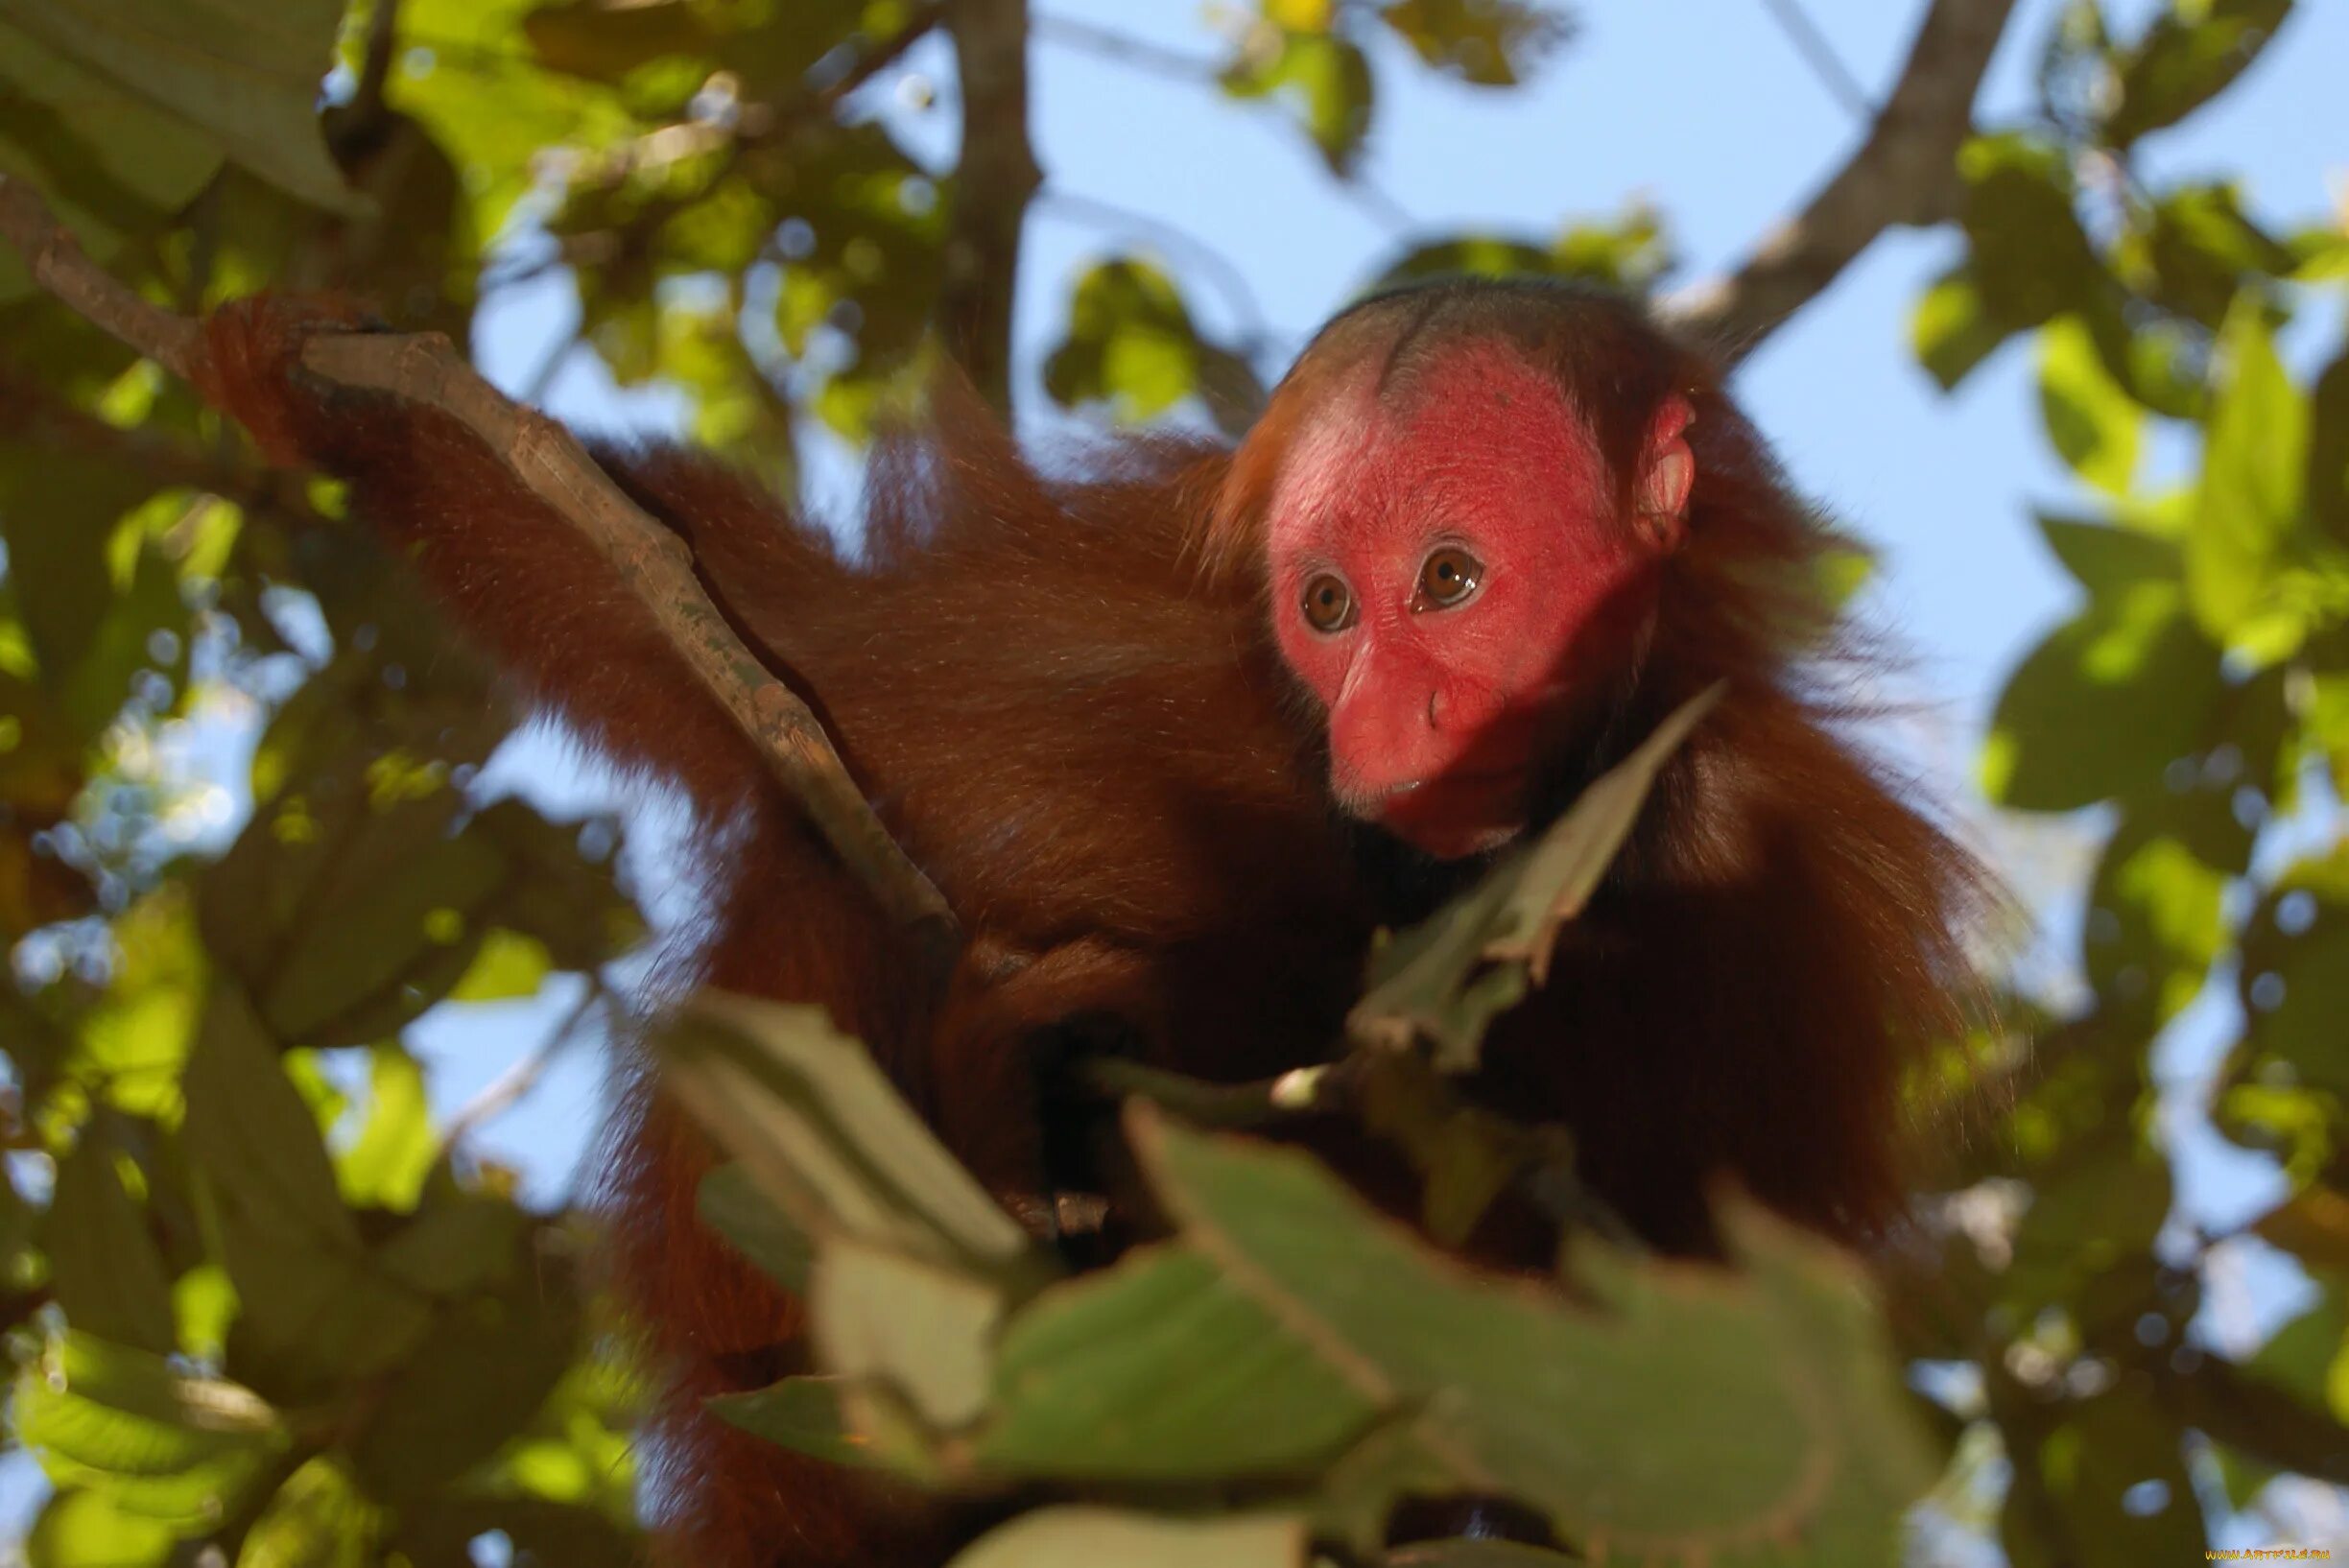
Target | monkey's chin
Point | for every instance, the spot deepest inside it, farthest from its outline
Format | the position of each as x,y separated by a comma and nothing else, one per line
1455,841
1454,828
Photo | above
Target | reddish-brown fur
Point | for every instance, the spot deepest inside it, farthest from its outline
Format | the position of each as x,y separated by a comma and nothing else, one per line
1084,739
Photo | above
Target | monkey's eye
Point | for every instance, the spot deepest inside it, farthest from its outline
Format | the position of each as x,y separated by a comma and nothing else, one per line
1328,604
1448,576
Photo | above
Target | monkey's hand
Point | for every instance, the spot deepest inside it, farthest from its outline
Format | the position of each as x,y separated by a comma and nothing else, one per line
248,365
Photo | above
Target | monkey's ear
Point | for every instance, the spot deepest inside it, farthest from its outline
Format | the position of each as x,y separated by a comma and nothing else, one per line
1668,473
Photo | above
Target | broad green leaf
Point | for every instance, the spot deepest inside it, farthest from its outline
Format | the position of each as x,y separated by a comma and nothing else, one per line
2031,260
2109,560
1130,343
76,1529
1510,1389
2091,420
1950,330
2195,248
1630,251
2153,926
242,74
1160,1369
153,1441
2103,705
924,1329
471,80
111,165
487,1363
1493,43
104,1269
58,514
509,965
1077,1536
729,1202
2187,57
611,42
318,1519
395,1150
1323,79
315,1312
819,1129
2294,972
801,1414
2249,504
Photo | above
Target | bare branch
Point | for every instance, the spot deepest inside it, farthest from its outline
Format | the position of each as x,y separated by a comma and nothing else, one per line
59,265
997,176
1905,173
653,561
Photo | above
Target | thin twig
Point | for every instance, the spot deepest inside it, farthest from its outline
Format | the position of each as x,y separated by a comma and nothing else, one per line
654,562
1904,173
504,1091
1124,49
1820,53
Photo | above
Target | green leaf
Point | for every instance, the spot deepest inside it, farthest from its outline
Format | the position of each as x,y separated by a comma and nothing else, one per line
2108,561
1446,979
314,1312
1158,1369
823,1134
2031,260
729,1202
1493,43
1579,1411
2153,926
1950,330
924,1329
801,1413
105,1267
2091,420
154,1442
508,965
1130,343
243,74
486,1365
76,1529
1078,1536
111,165
610,42
318,1519
2186,59
1322,79
2248,507
2104,704
2294,972
395,1150
58,514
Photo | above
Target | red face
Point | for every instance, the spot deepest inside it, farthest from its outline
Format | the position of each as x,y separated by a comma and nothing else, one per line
1440,563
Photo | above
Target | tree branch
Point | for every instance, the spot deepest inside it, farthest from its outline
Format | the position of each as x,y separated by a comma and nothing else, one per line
59,265
1904,173
997,176
545,457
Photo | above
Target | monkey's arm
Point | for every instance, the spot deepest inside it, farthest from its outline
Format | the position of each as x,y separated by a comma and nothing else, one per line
517,575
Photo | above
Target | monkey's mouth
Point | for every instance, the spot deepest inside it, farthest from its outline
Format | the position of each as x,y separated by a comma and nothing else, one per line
1456,815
